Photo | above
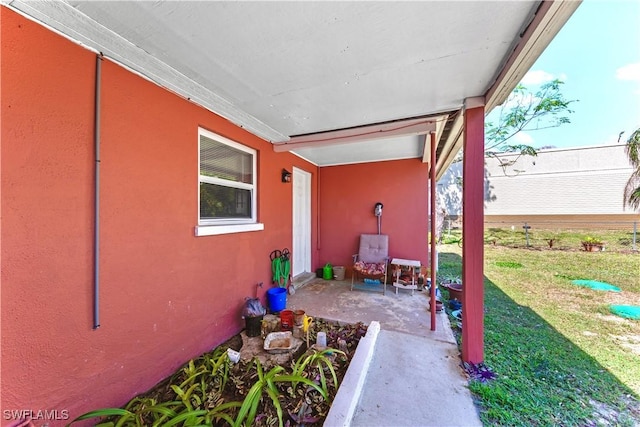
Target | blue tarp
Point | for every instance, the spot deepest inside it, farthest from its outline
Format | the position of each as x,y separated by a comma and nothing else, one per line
598,286
626,311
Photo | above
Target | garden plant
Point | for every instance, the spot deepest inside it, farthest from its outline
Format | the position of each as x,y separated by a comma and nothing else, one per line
210,390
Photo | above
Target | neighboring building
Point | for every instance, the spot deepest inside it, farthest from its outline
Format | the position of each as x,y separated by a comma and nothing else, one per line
578,187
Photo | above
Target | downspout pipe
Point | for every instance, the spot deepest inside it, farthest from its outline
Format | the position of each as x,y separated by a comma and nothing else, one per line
96,223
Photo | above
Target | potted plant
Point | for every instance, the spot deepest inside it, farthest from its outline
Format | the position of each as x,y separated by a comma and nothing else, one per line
591,244
453,284
439,306
253,313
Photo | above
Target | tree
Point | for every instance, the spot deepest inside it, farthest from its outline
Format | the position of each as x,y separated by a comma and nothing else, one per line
632,189
525,111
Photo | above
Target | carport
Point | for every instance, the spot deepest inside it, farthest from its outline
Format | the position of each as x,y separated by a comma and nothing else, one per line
335,84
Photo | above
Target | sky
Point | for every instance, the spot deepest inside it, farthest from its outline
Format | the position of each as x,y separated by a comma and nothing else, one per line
597,55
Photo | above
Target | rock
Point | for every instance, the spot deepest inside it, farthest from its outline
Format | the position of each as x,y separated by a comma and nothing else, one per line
254,347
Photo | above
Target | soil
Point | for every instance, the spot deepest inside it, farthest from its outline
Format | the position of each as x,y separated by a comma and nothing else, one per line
301,404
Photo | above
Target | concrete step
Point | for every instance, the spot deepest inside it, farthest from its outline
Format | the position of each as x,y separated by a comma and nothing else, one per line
303,279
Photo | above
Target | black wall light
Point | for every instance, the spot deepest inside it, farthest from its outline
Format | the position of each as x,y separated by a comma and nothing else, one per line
286,175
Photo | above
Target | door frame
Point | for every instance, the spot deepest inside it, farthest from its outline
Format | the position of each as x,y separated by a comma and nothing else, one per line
305,212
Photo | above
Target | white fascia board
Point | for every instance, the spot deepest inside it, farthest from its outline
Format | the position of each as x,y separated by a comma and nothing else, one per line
551,16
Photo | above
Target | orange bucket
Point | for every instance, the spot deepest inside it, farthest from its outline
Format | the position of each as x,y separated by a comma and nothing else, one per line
298,317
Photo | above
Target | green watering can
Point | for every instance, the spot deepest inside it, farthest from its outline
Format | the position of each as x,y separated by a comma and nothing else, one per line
327,272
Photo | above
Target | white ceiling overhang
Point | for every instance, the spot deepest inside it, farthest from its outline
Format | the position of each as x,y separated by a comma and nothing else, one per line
334,82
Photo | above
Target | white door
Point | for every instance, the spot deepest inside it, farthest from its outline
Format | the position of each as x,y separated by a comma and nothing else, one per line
301,256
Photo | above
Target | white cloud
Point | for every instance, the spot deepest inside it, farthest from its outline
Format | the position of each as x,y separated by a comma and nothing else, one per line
629,72
537,77
523,138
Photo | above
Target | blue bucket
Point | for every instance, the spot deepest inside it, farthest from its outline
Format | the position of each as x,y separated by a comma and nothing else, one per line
277,299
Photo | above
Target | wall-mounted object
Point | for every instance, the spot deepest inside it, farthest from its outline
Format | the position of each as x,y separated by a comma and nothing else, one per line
286,175
377,210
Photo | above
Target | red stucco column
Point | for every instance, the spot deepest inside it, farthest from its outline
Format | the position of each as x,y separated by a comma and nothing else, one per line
472,232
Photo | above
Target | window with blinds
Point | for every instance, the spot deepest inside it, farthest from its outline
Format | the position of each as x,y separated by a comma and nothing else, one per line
227,181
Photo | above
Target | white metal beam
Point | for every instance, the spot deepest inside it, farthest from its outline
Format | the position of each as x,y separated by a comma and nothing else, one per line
451,146
362,133
440,124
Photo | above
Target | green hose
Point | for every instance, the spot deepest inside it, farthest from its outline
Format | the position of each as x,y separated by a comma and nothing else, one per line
285,275
281,267
276,268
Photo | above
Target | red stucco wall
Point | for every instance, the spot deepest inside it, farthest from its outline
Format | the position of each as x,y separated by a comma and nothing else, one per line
166,296
348,196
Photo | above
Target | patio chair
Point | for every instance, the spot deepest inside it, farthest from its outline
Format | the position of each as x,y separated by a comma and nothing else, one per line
372,260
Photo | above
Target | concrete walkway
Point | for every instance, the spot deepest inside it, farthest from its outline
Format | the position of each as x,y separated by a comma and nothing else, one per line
414,382
412,375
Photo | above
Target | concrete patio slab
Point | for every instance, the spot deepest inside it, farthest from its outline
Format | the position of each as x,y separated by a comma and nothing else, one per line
331,299
414,377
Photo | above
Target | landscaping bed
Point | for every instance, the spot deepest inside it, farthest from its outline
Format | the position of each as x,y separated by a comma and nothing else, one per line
211,390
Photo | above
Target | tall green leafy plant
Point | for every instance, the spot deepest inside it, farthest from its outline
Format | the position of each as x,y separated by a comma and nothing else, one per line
195,395
318,360
632,188
190,406
266,384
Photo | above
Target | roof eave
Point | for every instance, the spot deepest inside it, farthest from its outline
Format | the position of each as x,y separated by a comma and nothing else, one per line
550,17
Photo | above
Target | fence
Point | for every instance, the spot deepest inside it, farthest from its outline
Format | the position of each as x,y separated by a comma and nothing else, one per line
618,236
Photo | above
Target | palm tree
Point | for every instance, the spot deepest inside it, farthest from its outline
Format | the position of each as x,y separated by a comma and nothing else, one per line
632,189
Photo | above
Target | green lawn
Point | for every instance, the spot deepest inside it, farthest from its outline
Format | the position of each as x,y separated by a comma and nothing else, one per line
561,357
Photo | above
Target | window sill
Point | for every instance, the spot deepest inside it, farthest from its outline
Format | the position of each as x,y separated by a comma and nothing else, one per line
213,230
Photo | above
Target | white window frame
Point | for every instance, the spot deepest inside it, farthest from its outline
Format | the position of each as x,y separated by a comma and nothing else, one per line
208,227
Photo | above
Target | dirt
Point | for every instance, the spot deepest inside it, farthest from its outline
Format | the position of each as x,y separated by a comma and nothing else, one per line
301,404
